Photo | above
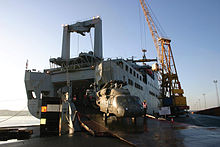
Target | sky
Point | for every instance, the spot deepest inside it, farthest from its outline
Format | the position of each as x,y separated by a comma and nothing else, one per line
33,30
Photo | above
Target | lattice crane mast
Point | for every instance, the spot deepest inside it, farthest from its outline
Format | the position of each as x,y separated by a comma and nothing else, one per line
170,84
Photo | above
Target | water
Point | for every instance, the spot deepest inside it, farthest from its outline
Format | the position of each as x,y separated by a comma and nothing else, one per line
18,121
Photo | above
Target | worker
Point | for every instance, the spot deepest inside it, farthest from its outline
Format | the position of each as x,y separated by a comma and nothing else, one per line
145,107
74,98
85,100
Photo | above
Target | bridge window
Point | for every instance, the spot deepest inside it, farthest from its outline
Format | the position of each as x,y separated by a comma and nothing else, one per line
151,93
138,86
126,68
134,73
141,87
130,82
145,79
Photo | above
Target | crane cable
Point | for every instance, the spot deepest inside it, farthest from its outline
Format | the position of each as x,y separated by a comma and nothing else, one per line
141,40
13,115
157,24
143,30
91,41
77,52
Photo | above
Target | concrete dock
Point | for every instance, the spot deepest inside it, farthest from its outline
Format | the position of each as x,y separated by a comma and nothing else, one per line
127,132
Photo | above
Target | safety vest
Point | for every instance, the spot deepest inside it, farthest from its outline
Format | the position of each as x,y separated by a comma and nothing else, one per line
144,105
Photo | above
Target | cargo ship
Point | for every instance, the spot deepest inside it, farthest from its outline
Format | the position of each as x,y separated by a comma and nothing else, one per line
76,76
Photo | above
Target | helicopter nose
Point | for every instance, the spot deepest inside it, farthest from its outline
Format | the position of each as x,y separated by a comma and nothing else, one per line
133,111
121,111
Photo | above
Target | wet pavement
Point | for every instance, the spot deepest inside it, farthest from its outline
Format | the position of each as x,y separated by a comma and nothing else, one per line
142,133
200,120
77,140
153,132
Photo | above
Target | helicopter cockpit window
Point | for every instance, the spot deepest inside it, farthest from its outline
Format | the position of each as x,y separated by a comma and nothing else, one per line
108,91
122,100
99,94
128,100
131,100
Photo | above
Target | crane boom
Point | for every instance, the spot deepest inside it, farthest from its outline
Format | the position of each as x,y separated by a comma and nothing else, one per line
170,84
151,26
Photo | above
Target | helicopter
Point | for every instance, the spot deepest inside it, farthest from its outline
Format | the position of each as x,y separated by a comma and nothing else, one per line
115,100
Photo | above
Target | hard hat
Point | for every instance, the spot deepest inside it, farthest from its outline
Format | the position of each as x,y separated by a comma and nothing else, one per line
144,100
